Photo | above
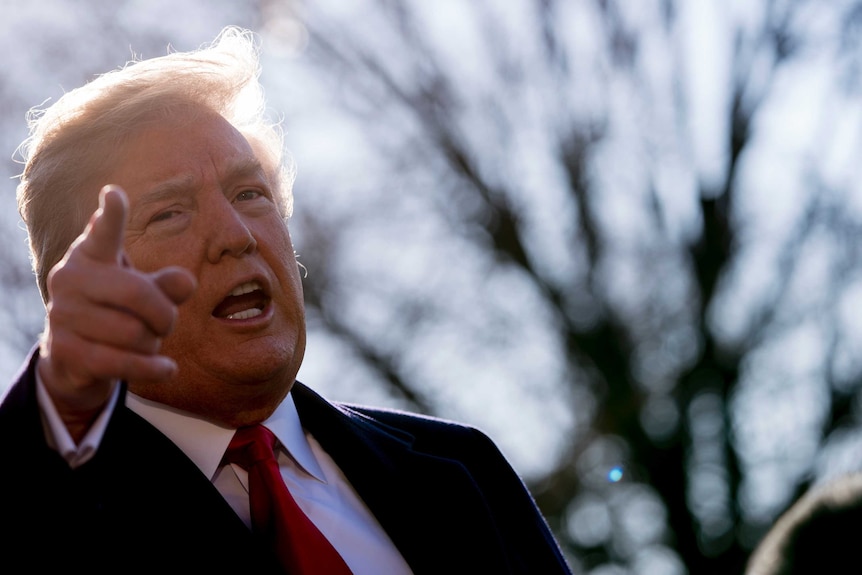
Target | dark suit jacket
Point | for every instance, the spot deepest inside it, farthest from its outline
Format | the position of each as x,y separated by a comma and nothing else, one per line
442,491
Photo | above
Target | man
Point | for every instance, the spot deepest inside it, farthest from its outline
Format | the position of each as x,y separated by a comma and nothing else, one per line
817,534
156,202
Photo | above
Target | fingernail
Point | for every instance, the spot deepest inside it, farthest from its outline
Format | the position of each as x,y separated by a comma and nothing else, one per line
166,365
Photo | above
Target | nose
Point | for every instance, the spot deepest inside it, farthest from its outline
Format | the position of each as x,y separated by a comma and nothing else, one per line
228,233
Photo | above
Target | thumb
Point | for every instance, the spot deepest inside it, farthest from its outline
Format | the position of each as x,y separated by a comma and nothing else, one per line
175,282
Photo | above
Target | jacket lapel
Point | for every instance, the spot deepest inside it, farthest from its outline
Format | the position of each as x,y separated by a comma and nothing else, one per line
429,505
150,486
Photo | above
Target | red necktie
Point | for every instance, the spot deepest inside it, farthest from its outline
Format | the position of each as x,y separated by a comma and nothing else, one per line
275,516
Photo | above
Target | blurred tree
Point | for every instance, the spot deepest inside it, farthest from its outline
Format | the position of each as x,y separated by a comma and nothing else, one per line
54,45
622,236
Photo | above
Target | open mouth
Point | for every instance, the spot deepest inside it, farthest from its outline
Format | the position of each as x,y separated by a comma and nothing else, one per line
245,301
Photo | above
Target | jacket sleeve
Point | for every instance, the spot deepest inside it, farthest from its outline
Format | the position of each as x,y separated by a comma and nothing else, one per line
525,531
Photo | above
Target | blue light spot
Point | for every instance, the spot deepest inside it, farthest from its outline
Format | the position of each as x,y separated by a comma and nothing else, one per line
615,474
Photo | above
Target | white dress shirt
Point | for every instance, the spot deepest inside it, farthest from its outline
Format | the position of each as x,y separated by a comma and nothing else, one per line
317,484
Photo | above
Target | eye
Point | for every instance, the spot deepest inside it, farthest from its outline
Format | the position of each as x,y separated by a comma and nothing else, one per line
162,216
247,195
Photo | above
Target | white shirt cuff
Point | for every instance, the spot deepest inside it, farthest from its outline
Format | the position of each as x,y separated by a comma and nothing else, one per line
57,435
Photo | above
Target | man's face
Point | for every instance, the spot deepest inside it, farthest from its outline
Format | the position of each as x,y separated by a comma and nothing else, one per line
200,199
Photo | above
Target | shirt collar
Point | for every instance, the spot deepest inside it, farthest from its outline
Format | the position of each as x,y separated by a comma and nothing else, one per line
205,442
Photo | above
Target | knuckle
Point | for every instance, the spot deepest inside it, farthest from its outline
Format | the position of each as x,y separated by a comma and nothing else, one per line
159,312
59,314
57,277
62,347
141,338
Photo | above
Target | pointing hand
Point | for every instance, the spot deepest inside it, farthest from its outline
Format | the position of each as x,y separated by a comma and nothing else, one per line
105,319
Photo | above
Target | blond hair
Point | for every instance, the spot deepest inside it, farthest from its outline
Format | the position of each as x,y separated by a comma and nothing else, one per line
73,142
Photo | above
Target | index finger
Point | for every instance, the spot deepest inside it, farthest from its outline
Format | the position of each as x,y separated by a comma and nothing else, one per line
103,238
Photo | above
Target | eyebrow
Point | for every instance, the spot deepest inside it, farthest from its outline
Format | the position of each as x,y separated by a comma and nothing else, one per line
168,189
244,167
241,168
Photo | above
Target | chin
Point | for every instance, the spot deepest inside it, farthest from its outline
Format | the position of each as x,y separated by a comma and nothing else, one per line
272,366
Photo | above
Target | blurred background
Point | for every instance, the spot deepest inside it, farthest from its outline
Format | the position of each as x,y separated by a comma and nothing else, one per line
621,237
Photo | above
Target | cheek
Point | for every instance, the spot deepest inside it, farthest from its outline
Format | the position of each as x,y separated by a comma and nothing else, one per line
144,261
148,256
278,248
153,254
288,272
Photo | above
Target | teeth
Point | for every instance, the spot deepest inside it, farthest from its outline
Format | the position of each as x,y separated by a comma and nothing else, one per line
253,312
247,287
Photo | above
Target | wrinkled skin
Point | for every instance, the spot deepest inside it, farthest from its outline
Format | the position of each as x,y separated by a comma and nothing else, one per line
189,215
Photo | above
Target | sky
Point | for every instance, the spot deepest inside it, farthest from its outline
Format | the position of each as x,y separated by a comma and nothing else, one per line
60,44
53,45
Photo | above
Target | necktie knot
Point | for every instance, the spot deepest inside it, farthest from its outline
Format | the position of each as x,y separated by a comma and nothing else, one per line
251,445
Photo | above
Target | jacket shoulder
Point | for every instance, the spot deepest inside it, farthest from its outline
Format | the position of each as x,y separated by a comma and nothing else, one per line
426,431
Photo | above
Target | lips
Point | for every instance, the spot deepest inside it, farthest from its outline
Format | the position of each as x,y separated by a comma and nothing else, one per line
245,301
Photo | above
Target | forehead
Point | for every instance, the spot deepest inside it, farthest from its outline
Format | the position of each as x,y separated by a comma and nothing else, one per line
183,146
191,146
